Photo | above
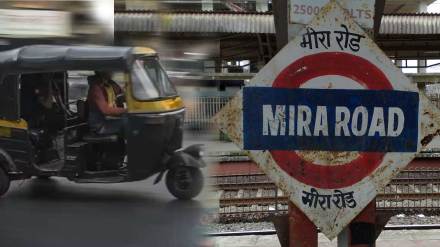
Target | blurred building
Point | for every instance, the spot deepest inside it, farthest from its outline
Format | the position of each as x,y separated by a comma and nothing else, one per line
55,21
194,5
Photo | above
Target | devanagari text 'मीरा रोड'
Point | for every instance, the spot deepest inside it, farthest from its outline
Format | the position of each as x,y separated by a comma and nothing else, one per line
338,199
345,39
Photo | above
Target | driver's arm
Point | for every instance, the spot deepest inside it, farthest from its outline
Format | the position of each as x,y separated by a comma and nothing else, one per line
98,98
118,90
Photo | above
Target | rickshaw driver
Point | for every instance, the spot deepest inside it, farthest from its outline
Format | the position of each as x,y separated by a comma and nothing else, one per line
102,104
107,78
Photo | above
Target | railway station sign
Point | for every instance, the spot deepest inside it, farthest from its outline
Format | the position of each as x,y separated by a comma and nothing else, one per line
330,119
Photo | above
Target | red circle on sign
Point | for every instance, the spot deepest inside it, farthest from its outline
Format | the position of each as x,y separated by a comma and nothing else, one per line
321,64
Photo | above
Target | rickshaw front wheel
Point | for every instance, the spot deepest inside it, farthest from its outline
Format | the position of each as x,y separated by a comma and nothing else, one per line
4,182
184,182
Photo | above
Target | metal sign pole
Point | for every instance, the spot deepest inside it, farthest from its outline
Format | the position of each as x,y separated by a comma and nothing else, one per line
343,238
365,225
362,230
302,232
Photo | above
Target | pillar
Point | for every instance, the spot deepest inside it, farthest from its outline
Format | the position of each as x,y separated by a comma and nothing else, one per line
421,64
207,5
262,5
423,7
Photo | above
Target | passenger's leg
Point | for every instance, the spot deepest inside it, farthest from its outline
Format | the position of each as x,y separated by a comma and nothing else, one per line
110,127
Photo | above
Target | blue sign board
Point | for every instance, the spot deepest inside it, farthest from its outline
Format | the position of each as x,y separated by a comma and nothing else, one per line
330,119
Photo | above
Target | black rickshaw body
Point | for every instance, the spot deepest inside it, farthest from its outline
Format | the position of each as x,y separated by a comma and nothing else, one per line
151,140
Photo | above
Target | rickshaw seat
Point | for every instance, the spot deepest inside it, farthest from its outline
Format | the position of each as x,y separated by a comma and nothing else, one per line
82,107
94,138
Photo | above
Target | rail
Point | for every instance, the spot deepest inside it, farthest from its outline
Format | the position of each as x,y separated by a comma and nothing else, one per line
253,197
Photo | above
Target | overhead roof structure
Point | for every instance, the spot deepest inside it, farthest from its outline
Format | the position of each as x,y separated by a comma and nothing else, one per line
404,33
194,22
202,22
410,24
391,6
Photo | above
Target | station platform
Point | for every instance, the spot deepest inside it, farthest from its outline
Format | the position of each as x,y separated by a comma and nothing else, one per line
404,238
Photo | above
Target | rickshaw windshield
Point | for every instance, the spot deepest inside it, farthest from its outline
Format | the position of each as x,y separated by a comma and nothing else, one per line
150,81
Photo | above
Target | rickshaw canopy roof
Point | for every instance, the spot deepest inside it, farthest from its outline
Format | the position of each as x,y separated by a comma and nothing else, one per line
45,58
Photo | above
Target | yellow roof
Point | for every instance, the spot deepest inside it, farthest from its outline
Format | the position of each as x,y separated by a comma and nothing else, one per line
144,51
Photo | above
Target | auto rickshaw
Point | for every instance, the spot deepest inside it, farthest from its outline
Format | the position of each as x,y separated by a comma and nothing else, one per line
44,131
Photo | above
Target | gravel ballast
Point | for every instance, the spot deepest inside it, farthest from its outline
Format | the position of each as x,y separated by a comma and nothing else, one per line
400,219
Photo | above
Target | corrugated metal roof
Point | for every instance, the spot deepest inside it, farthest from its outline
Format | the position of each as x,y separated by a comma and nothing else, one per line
407,24
194,22
401,24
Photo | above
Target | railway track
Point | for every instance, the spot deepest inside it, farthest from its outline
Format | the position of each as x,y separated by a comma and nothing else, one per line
260,180
273,232
253,196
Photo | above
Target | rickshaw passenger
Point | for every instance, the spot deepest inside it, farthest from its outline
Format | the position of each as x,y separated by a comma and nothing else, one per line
39,109
36,100
102,104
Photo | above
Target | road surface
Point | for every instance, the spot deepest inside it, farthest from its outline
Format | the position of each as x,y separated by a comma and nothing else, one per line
57,212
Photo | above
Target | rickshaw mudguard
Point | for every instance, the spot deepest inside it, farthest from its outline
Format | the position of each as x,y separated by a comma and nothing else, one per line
182,158
185,157
6,162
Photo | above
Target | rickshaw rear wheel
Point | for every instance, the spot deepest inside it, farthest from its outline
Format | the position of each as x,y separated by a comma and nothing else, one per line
4,182
184,182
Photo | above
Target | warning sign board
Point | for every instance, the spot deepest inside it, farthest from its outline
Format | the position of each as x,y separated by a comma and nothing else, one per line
330,119
303,11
